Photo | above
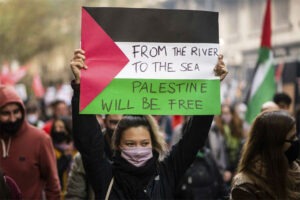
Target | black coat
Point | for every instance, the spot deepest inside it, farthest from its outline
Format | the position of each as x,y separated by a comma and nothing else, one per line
90,142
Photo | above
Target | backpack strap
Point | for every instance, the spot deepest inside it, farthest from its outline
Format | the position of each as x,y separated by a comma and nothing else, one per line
109,188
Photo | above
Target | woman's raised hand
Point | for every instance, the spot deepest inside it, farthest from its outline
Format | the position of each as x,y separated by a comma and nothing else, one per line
221,69
77,64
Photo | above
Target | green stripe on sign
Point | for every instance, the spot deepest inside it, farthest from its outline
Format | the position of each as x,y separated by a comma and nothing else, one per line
158,97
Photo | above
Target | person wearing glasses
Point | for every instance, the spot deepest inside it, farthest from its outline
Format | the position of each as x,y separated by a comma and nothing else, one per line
268,167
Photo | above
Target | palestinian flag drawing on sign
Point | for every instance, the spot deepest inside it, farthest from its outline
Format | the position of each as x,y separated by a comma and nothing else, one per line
149,61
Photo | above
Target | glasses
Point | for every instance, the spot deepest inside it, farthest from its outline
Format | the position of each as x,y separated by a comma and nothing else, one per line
112,121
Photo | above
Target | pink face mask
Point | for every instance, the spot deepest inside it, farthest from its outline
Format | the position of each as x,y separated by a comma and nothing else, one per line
137,156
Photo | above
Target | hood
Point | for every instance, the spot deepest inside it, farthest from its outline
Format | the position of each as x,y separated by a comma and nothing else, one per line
9,95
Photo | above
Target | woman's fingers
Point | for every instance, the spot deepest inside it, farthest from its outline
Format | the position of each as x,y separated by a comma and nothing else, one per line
77,63
220,69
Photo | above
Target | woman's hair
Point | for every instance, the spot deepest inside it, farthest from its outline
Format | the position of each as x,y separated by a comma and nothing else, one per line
147,121
67,123
235,125
265,142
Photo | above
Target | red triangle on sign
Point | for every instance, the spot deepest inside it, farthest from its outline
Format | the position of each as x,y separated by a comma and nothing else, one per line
103,58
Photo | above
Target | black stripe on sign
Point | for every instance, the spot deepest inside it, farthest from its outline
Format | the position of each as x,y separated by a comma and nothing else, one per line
157,25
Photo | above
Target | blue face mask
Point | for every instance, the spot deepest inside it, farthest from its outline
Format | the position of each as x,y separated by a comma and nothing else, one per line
292,152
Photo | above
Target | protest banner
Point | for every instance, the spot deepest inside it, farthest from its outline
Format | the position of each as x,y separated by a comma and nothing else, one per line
149,61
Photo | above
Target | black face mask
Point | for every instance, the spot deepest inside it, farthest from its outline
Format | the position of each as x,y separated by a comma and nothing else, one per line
11,128
292,152
59,137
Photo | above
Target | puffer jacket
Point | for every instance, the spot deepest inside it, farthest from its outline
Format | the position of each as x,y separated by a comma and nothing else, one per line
99,170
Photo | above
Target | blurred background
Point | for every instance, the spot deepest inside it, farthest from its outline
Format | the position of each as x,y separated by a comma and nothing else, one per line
38,38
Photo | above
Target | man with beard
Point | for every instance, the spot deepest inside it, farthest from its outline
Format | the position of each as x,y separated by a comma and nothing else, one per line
26,153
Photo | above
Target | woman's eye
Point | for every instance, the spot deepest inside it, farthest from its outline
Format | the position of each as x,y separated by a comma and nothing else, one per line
130,144
145,144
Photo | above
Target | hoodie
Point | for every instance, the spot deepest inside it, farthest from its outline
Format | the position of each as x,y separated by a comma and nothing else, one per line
28,157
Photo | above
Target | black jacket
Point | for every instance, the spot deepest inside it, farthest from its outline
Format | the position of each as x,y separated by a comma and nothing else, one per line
90,142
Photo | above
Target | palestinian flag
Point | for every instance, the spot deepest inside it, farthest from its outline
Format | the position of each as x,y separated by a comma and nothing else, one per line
149,61
263,83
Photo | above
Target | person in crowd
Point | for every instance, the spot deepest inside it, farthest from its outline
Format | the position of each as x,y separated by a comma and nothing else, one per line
283,100
59,108
268,168
177,133
100,119
33,114
240,108
269,105
203,180
216,143
8,188
78,186
139,169
110,122
64,148
226,139
165,126
27,153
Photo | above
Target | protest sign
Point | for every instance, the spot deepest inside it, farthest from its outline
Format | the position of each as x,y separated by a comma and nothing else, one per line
149,61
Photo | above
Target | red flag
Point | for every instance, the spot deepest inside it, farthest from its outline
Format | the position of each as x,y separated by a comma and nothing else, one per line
4,76
37,86
9,77
17,75
266,33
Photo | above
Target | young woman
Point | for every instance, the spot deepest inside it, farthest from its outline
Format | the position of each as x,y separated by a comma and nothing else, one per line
63,147
225,140
268,168
137,170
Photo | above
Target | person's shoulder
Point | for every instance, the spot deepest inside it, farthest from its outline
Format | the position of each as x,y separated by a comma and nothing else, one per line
242,187
240,179
244,191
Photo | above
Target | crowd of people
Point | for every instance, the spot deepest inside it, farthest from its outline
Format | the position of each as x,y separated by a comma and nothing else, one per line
60,154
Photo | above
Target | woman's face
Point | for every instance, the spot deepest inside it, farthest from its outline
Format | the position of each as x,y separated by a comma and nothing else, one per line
136,137
291,136
226,114
59,126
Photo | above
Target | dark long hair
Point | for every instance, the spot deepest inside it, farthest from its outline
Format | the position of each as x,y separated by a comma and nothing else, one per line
265,142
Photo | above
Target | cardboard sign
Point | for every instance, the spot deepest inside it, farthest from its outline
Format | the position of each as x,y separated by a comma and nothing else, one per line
149,61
